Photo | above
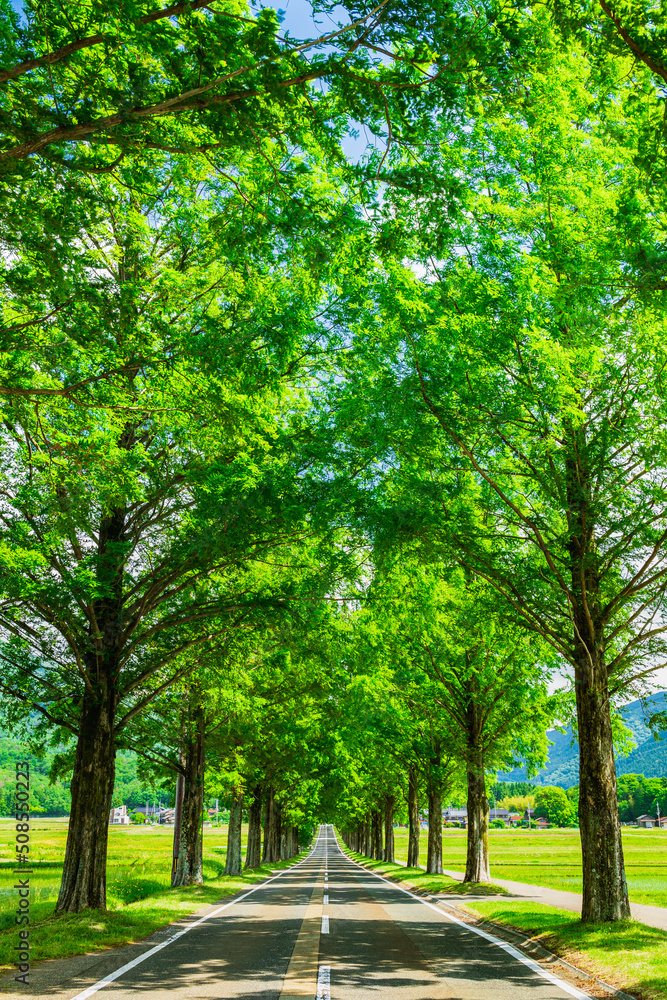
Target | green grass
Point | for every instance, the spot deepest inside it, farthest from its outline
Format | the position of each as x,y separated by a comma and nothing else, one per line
421,882
553,858
628,955
140,897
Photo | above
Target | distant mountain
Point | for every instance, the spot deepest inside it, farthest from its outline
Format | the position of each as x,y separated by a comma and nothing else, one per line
649,759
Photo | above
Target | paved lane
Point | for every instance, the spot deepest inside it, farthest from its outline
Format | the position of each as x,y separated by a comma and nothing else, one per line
384,942
330,929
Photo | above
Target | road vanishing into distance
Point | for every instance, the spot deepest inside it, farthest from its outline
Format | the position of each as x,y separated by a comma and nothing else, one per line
328,928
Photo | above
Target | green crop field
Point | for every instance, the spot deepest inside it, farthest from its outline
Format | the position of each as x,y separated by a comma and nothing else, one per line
140,898
552,858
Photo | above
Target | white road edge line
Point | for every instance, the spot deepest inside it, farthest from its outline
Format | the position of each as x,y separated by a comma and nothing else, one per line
509,948
324,982
113,976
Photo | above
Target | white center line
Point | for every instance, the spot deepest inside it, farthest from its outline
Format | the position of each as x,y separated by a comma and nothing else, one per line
324,983
325,900
325,924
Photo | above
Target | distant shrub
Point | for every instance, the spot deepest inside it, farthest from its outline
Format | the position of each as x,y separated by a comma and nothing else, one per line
498,824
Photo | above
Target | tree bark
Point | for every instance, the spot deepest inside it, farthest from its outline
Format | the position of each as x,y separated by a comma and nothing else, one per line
284,839
277,830
189,867
413,820
389,828
376,834
477,860
605,889
233,859
271,828
366,841
267,809
434,853
253,856
83,882
178,818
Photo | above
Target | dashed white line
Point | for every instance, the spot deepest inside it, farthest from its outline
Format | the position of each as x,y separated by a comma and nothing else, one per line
324,982
325,924
325,900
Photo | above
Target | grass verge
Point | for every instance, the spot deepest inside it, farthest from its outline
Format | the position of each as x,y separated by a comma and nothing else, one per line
628,955
93,930
417,879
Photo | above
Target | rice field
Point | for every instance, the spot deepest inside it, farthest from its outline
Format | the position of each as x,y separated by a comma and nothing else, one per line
553,858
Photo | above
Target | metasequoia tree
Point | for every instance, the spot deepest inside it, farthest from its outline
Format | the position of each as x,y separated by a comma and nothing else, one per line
531,381
150,365
86,85
483,685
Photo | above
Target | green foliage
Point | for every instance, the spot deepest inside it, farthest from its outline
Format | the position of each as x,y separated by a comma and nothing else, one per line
638,796
552,804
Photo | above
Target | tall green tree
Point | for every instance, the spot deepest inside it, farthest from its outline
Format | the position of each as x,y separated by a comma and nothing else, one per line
524,416
153,396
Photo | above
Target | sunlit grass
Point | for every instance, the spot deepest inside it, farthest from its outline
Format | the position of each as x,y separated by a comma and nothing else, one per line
552,858
140,897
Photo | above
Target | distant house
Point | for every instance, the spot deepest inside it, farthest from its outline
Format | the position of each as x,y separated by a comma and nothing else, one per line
662,822
119,816
503,814
458,816
147,810
648,822
166,815
515,819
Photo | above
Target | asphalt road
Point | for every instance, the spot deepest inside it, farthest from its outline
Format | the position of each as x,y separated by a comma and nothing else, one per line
328,928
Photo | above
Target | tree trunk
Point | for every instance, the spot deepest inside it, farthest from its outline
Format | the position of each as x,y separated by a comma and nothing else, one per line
271,829
376,834
178,819
253,856
477,860
189,867
83,882
267,809
389,828
277,830
84,870
284,839
413,820
366,846
233,859
605,889
434,855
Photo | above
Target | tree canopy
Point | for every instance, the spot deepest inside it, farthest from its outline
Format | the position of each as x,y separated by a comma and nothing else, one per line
320,471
